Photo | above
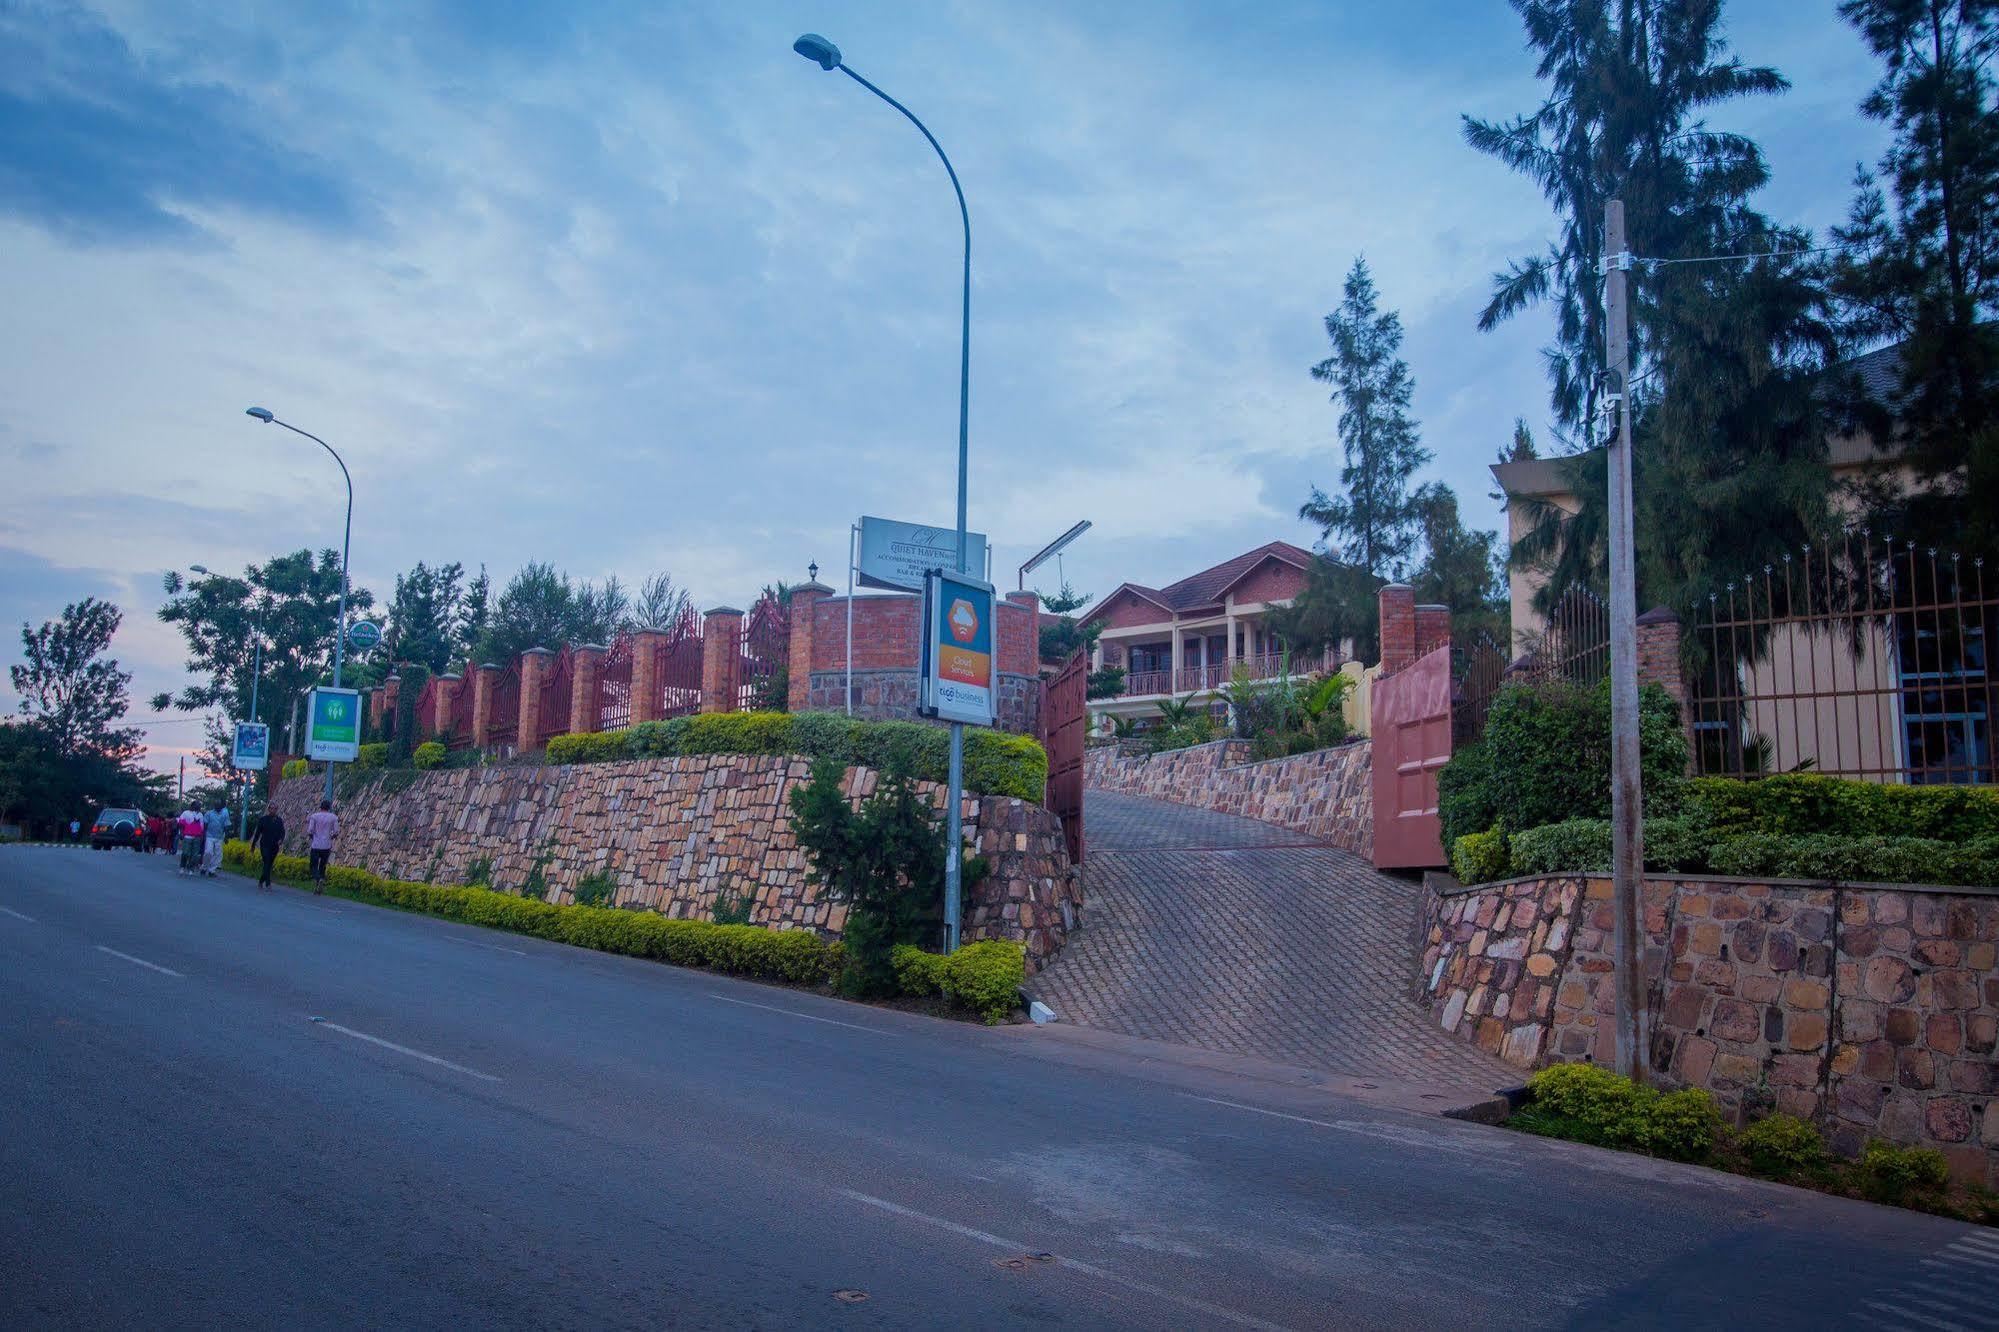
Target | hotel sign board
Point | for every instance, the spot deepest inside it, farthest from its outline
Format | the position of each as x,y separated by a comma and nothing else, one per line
960,656
897,555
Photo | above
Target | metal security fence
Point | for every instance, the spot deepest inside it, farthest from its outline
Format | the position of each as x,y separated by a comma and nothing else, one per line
766,646
1859,657
1573,647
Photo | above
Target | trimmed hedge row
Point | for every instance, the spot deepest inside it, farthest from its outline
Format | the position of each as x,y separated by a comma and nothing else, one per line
996,763
982,977
1801,803
1686,844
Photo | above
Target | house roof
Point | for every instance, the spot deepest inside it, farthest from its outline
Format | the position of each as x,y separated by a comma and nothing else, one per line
1211,585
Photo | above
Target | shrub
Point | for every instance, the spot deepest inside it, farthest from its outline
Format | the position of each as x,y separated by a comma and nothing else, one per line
1480,857
1865,859
1802,803
428,755
996,763
1893,1174
590,747
1545,758
1781,1145
917,973
1577,846
986,977
1591,1104
295,768
368,758
730,908
597,888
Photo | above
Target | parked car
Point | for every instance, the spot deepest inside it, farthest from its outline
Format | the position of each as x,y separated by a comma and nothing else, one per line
117,827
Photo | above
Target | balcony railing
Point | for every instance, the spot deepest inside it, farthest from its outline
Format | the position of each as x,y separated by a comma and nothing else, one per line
1206,679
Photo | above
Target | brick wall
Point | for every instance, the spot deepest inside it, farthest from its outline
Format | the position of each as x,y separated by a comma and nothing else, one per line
1130,611
1397,605
1326,794
888,647
674,832
1871,1009
1273,580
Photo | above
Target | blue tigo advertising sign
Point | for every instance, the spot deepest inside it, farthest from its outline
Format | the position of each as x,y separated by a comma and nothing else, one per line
252,749
960,649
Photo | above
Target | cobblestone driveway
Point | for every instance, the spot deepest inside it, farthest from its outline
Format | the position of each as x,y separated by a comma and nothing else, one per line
1220,932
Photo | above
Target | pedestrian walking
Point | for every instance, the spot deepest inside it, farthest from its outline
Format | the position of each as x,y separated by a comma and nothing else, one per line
321,827
163,833
269,835
193,838
215,828
74,829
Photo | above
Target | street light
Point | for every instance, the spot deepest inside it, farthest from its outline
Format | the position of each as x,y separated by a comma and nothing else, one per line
827,56
346,540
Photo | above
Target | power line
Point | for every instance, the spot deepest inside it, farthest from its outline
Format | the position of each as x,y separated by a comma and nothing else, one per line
1753,254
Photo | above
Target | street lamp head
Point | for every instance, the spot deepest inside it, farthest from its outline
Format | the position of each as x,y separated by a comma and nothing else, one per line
814,47
261,413
197,568
812,571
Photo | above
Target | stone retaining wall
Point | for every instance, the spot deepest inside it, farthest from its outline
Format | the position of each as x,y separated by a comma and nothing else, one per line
674,832
1871,1009
1325,794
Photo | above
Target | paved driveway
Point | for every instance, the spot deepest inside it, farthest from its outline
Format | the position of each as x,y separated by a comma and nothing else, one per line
1232,935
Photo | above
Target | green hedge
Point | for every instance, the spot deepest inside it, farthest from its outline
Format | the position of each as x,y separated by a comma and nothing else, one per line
996,763
983,977
297,767
1798,803
428,755
368,758
1545,757
1685,844
1591,1104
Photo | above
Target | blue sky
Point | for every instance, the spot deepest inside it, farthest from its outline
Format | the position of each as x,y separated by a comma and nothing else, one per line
632,287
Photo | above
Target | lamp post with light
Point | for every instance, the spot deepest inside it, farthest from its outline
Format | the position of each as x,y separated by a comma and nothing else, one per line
827,56
346,540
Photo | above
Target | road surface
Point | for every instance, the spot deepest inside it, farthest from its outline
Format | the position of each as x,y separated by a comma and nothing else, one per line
225,1108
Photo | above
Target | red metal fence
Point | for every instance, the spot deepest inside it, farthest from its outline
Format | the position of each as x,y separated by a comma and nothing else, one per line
680,667
459,732
556,680
1064,726
760,672
1859,657
614,686
503,721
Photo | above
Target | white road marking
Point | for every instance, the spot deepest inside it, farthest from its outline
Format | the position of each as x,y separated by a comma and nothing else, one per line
1901,1317
1087,1269
9,911
405,1050
142,962
495,947
1361,1130
792,1012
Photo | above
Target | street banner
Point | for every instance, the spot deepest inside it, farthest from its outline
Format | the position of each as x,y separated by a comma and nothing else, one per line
897,555
252,749
960,655
333,725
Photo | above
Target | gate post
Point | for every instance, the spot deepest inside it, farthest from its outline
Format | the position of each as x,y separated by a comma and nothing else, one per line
805,599
1397,604
440,705
646,692
484,680
586,661
534,668
721,651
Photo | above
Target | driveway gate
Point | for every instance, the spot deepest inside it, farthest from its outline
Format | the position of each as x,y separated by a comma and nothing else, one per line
1412,741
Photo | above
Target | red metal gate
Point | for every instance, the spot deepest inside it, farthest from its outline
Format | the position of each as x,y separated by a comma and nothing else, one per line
760,675
1064,723
1412,741
679,667
556,679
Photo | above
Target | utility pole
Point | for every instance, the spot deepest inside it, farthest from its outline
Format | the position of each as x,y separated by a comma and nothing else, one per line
1627,844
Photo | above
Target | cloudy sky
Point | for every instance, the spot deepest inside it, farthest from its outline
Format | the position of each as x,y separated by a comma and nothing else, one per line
630,286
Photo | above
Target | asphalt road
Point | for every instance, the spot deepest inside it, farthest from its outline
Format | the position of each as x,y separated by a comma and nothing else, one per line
225,1108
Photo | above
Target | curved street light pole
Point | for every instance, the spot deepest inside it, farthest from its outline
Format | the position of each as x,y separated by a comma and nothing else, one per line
346,541
816,48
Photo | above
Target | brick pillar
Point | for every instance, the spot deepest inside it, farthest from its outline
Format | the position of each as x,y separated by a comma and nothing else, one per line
1397,602
383,701
647,695
586,661
798,657
1032,604
441,701
721,652
484,681
1433,628
535,663
1659,663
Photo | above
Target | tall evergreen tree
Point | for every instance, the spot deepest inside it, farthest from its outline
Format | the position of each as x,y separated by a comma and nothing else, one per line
1461,567
423,615
474,609
1729,356
1373,524
1928,275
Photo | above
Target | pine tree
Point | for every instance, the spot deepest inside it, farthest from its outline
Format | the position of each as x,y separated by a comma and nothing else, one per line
1928,277
1374,521
423,616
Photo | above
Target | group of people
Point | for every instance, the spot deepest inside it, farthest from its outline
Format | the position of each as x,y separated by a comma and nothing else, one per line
202,834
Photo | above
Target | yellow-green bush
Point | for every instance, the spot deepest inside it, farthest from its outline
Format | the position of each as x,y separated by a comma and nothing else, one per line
1894,1174
589,747
295,768
1591,1104
1480,857
428,755
985,976
982,977
1781,1145
367,758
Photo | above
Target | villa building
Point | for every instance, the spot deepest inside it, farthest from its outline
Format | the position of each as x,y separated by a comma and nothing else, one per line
1193,636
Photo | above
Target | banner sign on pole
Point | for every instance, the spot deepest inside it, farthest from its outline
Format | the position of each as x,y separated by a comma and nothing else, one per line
333,725
897,555
960,656
363,634
252,749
